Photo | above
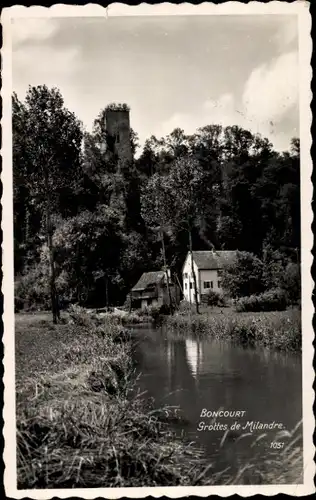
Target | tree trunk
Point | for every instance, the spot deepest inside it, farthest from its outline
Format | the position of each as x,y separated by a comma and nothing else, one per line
106,292
193,274
49,236
166,272
130,302
53,291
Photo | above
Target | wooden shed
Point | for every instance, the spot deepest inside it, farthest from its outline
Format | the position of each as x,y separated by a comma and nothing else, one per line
151,290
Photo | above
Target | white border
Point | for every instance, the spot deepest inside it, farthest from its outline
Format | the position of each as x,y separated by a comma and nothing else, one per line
301,9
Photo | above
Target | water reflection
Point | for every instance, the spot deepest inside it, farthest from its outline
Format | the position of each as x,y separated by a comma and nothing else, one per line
202,374
193,354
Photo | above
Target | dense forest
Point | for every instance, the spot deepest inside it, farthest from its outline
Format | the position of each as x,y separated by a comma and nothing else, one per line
87,225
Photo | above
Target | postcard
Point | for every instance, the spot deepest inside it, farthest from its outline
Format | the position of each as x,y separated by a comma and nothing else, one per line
157,250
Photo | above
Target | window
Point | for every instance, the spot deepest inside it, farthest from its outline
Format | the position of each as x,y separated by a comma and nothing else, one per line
185,275
219,284
185,286
208,284
191,285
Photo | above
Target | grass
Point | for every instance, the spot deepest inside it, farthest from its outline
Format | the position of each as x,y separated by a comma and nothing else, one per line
81,422
279,330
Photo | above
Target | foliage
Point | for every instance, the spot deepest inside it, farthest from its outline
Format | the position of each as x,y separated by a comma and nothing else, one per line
276,330
32,290
117,107
156,203
221,187
244,276
87,248
47,150
46,143
291,283
214,298
189,192
272,300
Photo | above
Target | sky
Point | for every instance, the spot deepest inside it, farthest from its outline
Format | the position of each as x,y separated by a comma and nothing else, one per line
173,71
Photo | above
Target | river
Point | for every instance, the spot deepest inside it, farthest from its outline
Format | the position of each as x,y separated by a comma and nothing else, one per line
197,375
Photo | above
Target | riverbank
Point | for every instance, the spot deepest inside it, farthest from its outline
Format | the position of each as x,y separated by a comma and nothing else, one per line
79,422
280,330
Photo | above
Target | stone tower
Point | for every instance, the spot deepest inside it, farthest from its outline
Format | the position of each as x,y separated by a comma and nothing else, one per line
119,132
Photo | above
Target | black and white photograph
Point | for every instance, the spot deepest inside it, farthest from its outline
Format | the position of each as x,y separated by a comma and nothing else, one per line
157,250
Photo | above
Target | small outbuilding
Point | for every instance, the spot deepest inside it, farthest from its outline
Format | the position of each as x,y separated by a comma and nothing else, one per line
151,290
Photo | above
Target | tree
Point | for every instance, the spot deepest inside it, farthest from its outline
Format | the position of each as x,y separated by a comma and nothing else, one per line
155,203
88,249
243,277
191,197
47,153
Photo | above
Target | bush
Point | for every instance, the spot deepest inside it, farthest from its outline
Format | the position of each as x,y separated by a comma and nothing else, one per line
152,312
291,283
244,277
214,298
31,292
32,289
273,300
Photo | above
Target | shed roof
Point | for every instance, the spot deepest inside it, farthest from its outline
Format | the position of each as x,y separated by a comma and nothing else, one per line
211,259
147,279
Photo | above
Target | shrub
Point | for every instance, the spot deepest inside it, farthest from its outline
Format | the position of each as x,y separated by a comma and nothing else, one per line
273,300
215,299
151,312
291,283
32,289
244,277
184,307
31,292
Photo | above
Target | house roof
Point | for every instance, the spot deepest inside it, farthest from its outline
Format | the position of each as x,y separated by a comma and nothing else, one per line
209,259
147,279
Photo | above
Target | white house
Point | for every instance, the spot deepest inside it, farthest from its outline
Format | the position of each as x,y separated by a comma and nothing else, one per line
208,266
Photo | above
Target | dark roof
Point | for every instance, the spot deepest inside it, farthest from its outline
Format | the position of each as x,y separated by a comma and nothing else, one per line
209,259
147,279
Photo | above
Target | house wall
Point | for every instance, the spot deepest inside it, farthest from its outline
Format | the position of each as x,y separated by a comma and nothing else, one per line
158,298
187,278
149,303
209,275
212,277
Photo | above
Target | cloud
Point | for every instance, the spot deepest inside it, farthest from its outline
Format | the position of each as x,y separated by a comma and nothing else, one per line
268,105
53,67
272,89
32,29
220,111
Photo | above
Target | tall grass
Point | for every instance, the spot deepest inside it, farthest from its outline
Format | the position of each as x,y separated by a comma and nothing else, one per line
82,425
272,466
278,330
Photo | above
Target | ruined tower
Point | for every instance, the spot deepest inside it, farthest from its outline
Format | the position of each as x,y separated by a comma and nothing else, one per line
119,132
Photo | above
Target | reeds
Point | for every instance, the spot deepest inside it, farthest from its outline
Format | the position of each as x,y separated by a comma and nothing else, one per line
83,426
278,330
